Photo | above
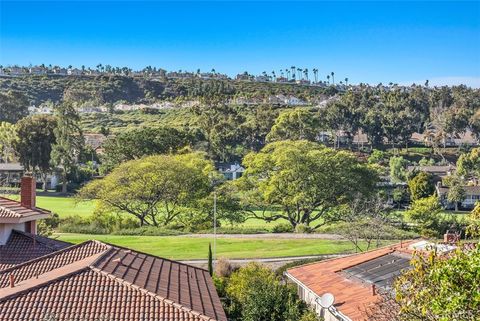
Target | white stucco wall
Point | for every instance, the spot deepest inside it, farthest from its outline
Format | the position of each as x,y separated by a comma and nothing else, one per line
6,230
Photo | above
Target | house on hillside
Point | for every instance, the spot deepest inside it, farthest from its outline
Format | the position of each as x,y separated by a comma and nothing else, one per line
41,110
464,139
74,72
11,174
36,70
92,110
230,171
344,289
44,278
472,196
438,171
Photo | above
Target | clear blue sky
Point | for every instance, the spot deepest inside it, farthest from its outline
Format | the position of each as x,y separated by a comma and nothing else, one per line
365,41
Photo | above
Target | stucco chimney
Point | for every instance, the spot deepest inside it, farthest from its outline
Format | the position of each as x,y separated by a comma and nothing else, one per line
27,192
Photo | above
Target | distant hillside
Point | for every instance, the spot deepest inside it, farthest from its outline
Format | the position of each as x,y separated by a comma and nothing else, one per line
105,90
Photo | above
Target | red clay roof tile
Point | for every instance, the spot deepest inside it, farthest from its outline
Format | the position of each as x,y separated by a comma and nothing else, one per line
351,296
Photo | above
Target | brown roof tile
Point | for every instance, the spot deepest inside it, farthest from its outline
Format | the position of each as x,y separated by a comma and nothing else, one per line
21,248
93,279
51,261
12,211
186,285
88,295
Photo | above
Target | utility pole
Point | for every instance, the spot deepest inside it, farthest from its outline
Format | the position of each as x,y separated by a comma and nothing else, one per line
214,227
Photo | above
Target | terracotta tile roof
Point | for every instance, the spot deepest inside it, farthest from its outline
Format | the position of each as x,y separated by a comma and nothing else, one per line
189,286
90,296
51,262
21,247
94,279
352,297
12,212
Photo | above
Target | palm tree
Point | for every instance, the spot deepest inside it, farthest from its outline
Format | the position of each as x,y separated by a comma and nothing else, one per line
281,73
299,70
288,73
273,75
333,77
213,71
346,81
328,79
293,72
315,74
305,71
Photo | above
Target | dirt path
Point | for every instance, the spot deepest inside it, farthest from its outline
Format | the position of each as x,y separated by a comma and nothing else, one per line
318,236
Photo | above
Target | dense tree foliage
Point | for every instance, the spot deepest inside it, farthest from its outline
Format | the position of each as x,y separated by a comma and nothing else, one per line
13,106
256,293
145,141
68,140
8,136
435,290
296,124
155,189
425,212
304,180
469,164
421,185
36,136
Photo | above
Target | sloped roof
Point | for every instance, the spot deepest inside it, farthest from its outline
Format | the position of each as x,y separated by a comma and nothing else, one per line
352,296
50,262
469,190
22,247
13,212
95,279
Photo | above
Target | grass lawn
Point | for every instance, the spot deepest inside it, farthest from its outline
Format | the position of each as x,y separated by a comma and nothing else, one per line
179,247
65,206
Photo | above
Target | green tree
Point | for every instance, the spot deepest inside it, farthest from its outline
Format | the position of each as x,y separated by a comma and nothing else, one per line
13,106
154,189
221,126
421,185
8,135
145,141
473,220
36,138
469,164
69,140
257,126
303,179
425,212
399,195
256,293
398,169
210,259
435,290
296,124
456,192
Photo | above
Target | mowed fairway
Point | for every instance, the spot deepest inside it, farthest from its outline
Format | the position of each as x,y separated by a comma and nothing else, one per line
181,247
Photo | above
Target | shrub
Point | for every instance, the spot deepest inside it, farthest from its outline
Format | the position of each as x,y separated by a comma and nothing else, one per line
303,228
148,231
223,268
256,293
282,228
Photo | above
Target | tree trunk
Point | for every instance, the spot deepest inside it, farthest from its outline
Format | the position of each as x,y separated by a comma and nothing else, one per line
456,206
44,182
64,183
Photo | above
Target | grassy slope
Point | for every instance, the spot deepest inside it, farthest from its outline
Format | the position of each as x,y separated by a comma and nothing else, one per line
179,247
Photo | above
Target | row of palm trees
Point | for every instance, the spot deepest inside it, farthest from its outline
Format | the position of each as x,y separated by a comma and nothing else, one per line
293,73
